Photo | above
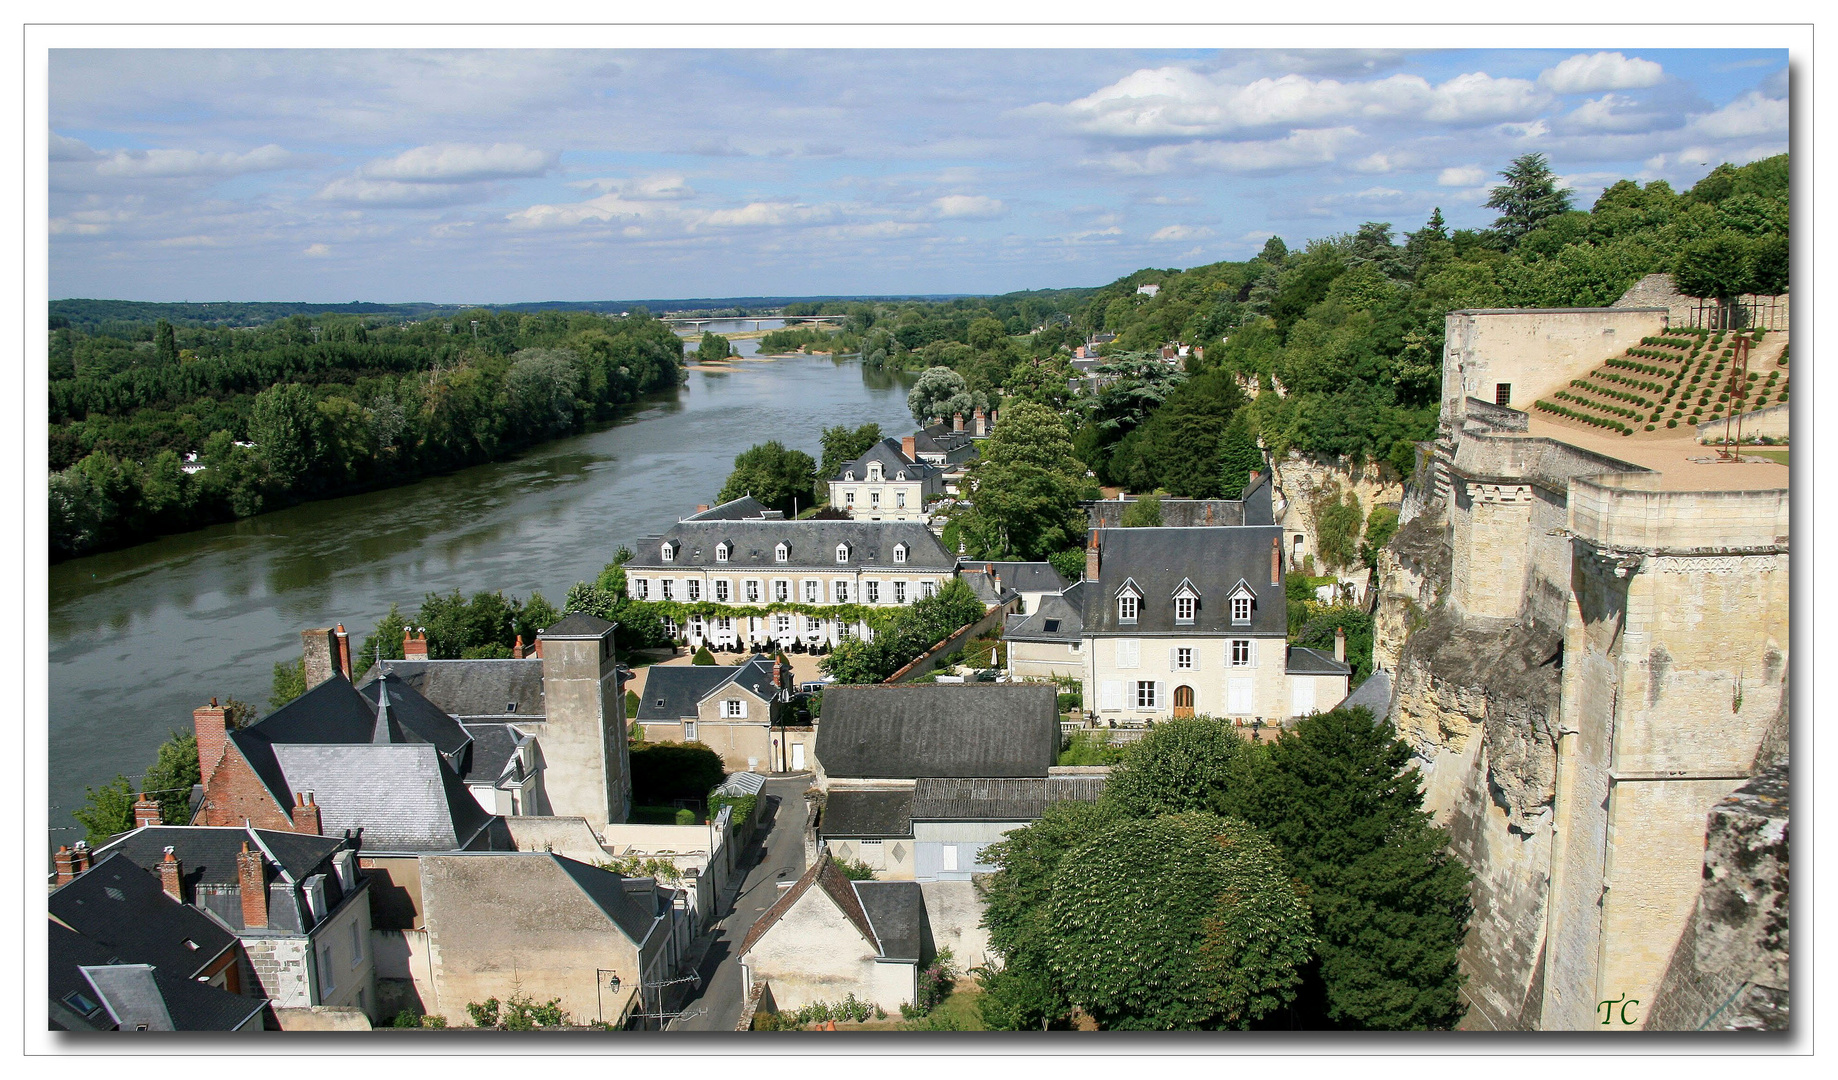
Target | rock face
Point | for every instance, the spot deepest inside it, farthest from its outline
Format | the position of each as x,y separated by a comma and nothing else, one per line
1299,481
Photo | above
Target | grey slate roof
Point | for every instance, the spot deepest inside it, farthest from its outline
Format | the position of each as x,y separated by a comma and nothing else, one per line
851,814
896,910
122,909
733,510
1020,576
674,692
983,587
578,625
498,689
93,989
1307,661
402,797
607,891
1057,619
941,729
1374,694
207,854
1215,560
336,713
893,462
493,747
1251,507
955,446
813,543
416,718
987,799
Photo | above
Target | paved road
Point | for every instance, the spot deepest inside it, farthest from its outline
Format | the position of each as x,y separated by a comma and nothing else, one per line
780,857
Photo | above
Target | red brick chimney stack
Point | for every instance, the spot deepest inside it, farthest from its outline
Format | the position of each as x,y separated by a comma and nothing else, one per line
212,726
701,507
415,645
992,418
957,422
909,448
79,856
344,652
66,865
538,649
251,875
172,876
982,422
1091,557
1276,561
517,649
1340,644
146,812
306,814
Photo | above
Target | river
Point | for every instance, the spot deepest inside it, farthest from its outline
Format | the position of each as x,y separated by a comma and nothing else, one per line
140,637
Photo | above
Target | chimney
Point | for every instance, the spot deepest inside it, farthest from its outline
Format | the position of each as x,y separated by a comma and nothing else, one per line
909,448
701,508
1276,561
992,418
1340,644
171,875
212,726
982,422
253,878
306,814
1091,557
957,421
79,856
538,649
998,584
317,648
66,865
146,812
517,649
415,645
344,652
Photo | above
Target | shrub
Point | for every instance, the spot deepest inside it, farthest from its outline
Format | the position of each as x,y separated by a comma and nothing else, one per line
703,657
854,870
1672,423
685,816
1649,427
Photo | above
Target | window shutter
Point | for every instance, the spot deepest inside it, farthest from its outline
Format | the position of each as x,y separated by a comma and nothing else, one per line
1112,694
1253,652
1161,695
1174,658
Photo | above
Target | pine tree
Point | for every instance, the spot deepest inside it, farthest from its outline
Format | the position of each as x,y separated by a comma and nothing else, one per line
1529,196
1239,455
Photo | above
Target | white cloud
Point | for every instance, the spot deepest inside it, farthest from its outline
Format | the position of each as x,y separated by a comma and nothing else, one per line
606,208
766,213
317,251
176,163
969,206
458,163
1181,232
1460,176
65,148
359,191
662,186
1480,98
1748,116
1588,73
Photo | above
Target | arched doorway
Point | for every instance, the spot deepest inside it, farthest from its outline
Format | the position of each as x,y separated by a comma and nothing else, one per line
1183,701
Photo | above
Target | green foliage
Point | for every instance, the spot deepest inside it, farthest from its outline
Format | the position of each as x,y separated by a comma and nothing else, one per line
703,658
1070,562
1026,489
773,474
713,349
1090,748
854,870
1529,196
387,637
1239,455
1144,512
1193,763
106,810
1381,526
520,1013
1314,625
936,980
1180,922
1337,524
743,805
170,778
1338,796
289,682
631,704
908,633
663,772
942,392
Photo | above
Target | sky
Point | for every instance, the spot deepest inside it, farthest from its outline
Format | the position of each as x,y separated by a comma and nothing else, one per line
505,176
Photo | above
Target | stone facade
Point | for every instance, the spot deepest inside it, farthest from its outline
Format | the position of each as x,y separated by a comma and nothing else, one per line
816,586
1531,351
1657,290
587,767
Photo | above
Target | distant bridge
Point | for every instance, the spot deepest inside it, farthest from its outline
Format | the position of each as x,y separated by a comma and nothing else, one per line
698,323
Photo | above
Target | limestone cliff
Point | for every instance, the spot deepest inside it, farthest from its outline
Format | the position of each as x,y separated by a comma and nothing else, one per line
1301,480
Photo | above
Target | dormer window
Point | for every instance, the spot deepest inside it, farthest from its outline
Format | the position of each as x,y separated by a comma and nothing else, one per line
669,552
721,551
849,474
1126,608
1183,609
899,553
842,553
874,472
782,552
1241,610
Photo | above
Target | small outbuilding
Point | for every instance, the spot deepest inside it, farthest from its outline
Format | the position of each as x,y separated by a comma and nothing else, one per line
829,937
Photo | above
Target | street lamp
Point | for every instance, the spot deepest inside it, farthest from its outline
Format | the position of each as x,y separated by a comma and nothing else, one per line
602,982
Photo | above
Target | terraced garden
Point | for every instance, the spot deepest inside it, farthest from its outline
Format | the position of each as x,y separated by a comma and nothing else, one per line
1680,378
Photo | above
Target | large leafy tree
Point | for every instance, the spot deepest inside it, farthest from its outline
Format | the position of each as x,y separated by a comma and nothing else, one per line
940,392
1180,922
284,424
1720,266
1191,763
1390,903
774,474
842,444
1528,197
169,779
713,348
1026,489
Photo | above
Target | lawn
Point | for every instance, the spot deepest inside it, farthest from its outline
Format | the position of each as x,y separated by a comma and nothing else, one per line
1771,455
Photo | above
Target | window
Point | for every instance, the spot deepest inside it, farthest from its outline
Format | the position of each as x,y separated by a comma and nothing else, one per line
752,592
725,622
1145,695
1183,609
328,978
1110,694
848,498
689,731
900,499
874,471
899,592
782,623
781,591
1241,653
810,591
721,592
1502,393
693,588
811,625
899,553
666,583
1129,653
1183,659
928,589
1238,696
1126,609
641,588
1241,609
874,591
734,709
842,592
669,552
842,553
357,943
782,552
874,498
948,852
721,551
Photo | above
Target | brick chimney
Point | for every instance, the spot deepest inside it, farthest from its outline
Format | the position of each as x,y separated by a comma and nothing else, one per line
171,876
306,814
517,649
701,508
79,856
146,812
909,448
1276,561
253,877
212,726
1091,557
318,649
66,865
1340,644
992,418
957,421
538,649
415,645
982,422
344,652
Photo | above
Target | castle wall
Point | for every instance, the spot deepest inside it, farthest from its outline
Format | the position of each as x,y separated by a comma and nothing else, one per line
1535,350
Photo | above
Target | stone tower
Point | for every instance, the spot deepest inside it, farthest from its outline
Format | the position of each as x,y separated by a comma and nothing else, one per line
586,765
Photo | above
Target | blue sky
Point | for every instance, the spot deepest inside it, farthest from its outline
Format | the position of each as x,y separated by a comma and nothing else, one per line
504,176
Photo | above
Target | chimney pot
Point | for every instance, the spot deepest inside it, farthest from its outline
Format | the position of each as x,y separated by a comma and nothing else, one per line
146,812
415,645
1276,561
517,649
80,853
172,876
344,652
306,815
1091,557
66,865
957,421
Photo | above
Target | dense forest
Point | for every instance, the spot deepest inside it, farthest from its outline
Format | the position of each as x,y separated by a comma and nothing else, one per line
308,408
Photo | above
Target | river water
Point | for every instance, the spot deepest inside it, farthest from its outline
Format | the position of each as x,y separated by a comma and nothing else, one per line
140,637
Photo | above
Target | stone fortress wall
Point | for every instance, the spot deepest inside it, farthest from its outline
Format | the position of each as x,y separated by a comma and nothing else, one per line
1534,351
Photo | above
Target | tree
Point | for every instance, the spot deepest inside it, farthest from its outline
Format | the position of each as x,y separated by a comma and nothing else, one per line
1193,763
289,682
1338,795
842,444
1529,196
165,347
713,349
544,385
1720,266
771,473
386,638
1025,488
1180,922
939,392
703,657
106,810
170,778
284,425
1143,513
1239,455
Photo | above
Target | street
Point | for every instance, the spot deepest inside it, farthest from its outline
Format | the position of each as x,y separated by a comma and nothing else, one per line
780,857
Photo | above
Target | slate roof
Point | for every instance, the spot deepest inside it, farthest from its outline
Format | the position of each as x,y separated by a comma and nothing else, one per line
1374,694
578,625
893,461
607,891
207,854
90,989
940,729
988,799
983,587
467,689
122,909
494,746
402,797
1057,619
851,814
336,713
956,446
841,891
1215,560
1037,577
754,545
1176,513
1307,661
682,687
896,911
733,510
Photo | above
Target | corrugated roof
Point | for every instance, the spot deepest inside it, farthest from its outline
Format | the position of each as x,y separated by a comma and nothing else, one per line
971,729
741,783
851,814
1215,560
998,798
